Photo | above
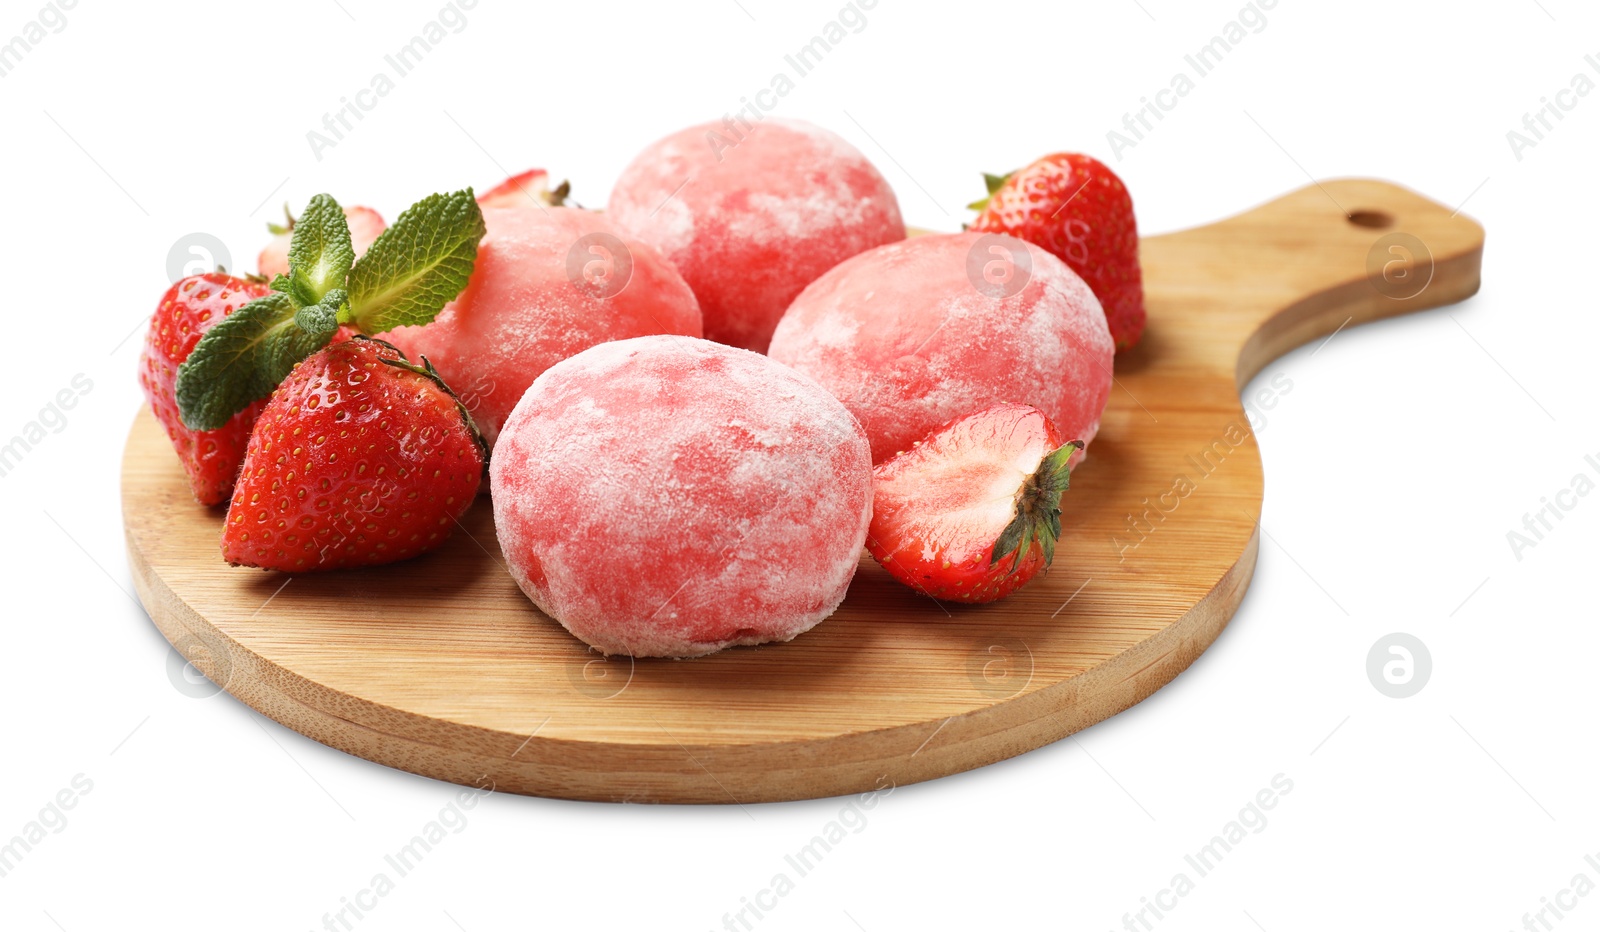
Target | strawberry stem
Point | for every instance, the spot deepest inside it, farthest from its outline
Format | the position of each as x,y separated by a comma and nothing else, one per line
287,226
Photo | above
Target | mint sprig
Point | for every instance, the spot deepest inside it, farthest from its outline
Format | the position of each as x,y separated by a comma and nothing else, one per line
407,276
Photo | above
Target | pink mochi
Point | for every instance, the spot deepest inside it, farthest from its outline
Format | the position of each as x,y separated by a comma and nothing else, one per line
752,214
668,497
547,284
914,334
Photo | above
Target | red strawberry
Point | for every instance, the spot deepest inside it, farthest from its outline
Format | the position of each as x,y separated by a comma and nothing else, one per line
187,310
973,511
1077,208
360,458
365,223
529,189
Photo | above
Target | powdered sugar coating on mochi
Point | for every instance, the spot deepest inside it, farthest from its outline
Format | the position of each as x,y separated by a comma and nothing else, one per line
667,496
524,310
906,340
751,216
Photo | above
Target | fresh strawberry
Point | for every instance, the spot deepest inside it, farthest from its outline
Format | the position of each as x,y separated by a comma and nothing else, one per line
366,225
359,458
529,189
974,510
187,310
1078,209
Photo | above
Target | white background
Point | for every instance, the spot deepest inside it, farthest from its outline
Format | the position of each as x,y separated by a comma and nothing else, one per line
1404,454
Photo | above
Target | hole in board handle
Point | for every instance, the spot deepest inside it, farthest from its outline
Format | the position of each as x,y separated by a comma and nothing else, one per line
1372,219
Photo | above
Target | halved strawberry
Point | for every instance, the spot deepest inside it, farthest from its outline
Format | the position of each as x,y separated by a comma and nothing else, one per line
211,458
359,458
528,189
973,511
1075,207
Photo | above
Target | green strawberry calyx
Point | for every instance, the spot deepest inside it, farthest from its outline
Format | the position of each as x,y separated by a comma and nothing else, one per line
1038,516
411,271
287,226
993,183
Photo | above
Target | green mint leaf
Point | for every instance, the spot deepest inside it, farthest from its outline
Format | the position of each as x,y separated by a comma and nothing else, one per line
320,254
318,318
242,359
325,317
418,265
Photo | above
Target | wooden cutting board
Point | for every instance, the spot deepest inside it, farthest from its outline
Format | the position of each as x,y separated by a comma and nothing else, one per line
440,666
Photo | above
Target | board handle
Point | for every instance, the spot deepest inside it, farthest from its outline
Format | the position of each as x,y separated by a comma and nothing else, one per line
1333,254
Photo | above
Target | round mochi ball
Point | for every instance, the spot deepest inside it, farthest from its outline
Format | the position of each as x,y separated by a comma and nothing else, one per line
668,497
752,213
914,334
548,283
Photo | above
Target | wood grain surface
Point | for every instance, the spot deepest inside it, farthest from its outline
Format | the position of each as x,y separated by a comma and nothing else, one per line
440,666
